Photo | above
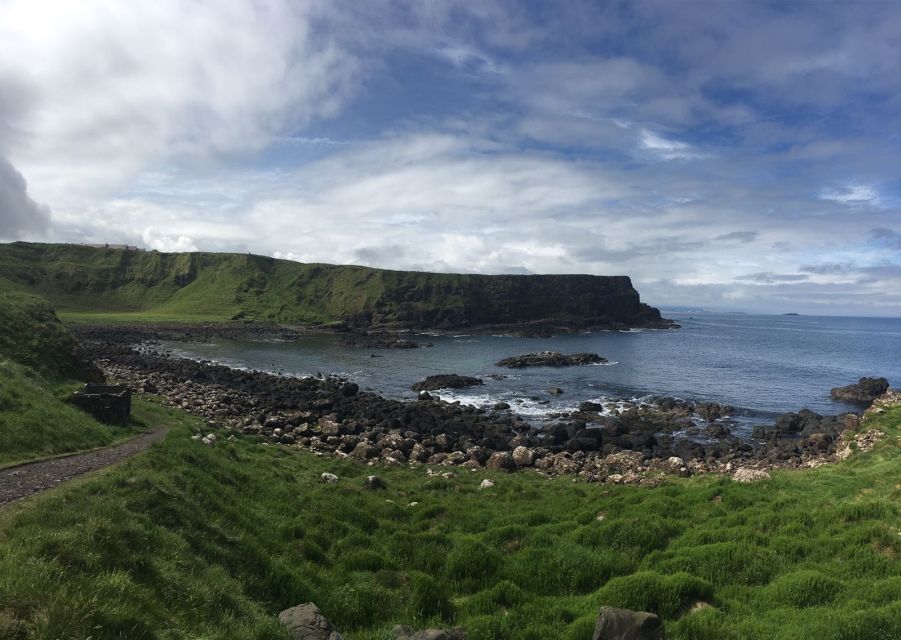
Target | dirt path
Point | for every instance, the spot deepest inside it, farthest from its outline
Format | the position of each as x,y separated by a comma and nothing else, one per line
34,477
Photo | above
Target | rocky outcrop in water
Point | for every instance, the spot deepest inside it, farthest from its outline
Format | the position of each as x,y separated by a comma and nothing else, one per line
551,359
447,381
863,392
381,341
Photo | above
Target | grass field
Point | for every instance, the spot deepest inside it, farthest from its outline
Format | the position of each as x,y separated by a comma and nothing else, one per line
36,422
188,541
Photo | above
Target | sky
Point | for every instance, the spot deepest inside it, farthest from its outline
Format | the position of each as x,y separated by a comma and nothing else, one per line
725,155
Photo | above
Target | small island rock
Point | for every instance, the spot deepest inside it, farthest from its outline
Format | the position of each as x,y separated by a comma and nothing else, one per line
551,359
447,381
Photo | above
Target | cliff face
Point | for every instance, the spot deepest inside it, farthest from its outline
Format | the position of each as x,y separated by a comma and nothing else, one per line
207,286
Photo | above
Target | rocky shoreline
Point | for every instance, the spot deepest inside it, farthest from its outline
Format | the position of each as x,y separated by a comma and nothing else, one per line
615,443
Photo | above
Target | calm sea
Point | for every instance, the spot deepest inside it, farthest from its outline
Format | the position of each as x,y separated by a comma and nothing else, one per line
762,365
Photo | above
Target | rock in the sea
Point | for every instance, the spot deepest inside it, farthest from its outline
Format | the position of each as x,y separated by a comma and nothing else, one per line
555,391
306,622
551,359
747,476
863,392
328,478
447,381
374,483
625,624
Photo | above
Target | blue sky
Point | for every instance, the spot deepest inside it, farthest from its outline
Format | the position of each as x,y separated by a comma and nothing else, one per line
732,155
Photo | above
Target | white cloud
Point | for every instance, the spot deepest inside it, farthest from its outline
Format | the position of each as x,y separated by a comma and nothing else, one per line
853,194
121,87
668,149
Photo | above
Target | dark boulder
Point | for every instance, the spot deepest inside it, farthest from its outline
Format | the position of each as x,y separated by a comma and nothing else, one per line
551,359
624,624
447,381
711,411
863,392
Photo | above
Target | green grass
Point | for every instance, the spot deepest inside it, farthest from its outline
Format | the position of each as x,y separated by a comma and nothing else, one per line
188,541
36,422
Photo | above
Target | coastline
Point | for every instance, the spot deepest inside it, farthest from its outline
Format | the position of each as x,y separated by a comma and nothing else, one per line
331,416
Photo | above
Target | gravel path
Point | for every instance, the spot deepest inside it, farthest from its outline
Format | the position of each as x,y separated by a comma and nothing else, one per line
34,477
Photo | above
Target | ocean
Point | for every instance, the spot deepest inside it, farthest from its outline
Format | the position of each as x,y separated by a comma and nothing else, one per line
762,365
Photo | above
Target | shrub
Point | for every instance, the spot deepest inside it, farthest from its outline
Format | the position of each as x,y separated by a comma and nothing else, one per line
429,597
472,563
667,596
805,588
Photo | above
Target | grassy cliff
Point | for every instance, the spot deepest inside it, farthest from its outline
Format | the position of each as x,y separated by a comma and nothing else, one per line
216,287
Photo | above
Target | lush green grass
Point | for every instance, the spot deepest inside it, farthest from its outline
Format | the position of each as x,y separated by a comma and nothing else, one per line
32,335
36,422
38,367
188,541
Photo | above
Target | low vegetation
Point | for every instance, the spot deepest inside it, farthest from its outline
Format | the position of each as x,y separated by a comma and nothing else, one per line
39,367
193,541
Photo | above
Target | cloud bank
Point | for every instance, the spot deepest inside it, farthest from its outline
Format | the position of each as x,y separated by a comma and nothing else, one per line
748,168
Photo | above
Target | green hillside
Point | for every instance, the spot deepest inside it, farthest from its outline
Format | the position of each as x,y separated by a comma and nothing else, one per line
217,287
40,364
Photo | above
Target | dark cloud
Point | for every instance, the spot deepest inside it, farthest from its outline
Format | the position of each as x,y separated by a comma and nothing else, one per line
19,214
766,277
827,268
738,236
886,238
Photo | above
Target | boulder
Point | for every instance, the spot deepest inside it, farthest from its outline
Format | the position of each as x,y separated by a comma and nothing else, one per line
502,460
306,622
374,483
523,456
625,624
447,381
747,476
405,632
863,392
486,484
555,391
328,478
551,359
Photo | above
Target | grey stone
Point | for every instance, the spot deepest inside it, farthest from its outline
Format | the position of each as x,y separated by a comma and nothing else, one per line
306,622
625,624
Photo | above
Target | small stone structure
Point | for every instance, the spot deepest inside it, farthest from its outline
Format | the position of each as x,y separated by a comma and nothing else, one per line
110,403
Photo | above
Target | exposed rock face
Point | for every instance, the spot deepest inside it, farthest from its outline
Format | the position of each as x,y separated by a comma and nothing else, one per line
551,359
863,392
306,622
447,381
624,624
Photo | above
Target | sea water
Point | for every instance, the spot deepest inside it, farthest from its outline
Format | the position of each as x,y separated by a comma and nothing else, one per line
762,365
